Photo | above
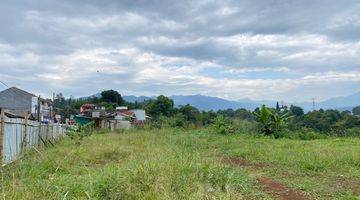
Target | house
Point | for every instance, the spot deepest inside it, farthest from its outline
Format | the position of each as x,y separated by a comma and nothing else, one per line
87,108
140,115
126,115
136,116
102,118
19,102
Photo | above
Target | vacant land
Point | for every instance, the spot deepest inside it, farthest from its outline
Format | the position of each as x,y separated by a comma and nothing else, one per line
178,164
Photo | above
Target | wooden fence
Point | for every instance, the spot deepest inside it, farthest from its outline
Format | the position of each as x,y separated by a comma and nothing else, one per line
20,134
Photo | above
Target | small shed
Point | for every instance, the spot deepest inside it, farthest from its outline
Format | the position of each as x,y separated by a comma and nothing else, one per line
82,120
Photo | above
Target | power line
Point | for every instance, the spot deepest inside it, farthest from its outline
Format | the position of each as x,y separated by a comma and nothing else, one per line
4,84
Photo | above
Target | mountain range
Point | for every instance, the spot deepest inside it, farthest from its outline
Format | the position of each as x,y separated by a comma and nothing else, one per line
214,103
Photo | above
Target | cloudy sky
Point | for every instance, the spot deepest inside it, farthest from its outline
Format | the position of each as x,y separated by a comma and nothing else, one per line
275,49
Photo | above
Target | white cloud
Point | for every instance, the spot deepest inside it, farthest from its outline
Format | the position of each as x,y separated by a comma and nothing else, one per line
226,49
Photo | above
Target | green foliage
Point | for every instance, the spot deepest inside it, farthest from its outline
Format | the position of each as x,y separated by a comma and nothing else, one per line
162,106
223,126
264,118
112,96
78,133
277,106
207,118
191,114
279,120
353,132
304,134
296,110
179,121
356,110
243,114
271,122
327,122
245,126
240,113
181,164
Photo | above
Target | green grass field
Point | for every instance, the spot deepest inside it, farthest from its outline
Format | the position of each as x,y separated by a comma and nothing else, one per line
178,164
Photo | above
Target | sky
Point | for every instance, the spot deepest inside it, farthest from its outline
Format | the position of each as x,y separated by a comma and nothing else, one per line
276,49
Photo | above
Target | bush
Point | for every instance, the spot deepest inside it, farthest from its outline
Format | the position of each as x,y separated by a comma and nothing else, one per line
352,132
304,134
79,132
245,126
223,126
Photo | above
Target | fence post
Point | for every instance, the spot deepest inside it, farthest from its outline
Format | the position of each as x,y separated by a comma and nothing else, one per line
2,125
47,131
39,130
25,138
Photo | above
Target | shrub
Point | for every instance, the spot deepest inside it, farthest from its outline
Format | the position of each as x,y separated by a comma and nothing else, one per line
245,126
79,132
223,126
304,134
352,132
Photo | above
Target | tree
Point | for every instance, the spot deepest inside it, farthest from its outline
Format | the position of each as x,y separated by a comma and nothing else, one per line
242,113
296,110
264,118
112,96
161,106
356,110
208,117
191,113
277,106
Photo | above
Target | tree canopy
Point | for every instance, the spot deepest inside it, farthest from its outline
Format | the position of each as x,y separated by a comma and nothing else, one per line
112,96
356,110
161,106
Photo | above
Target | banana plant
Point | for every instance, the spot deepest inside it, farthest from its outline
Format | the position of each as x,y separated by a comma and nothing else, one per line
271,121
264,118
279,120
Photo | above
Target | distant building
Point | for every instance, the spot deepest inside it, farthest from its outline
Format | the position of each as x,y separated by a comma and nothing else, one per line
140,115
87,108
19,102
137,116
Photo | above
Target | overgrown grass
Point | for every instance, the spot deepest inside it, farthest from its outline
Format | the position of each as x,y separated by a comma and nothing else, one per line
131,165
178,164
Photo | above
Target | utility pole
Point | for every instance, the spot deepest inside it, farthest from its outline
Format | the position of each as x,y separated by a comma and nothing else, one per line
2,128
38,110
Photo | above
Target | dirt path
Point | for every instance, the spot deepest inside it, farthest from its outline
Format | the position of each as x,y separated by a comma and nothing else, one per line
272,187
281,191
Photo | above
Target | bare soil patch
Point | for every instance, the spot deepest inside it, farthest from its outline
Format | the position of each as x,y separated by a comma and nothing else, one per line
243,163
270,186
281,191
353,185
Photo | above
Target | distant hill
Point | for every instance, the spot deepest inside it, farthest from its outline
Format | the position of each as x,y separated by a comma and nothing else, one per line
339,103
214,103
133,98
344,101
206,102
